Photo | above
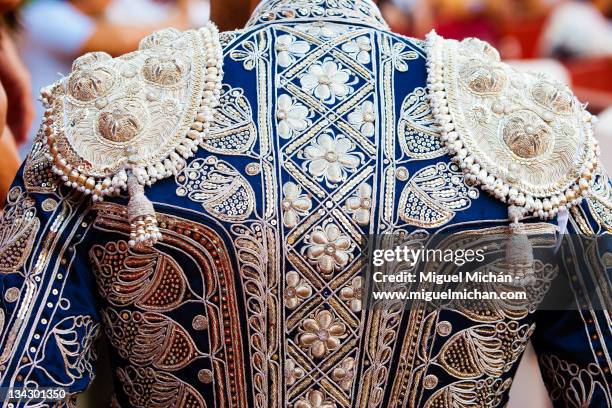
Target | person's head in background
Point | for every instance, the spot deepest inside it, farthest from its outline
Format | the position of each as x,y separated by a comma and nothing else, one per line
92,8
231,14
8,5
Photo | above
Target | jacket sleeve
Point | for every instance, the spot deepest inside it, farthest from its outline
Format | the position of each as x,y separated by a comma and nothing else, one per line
48,317
574,346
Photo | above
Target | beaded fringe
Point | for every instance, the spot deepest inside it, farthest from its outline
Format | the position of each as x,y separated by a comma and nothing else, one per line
141,215
519,251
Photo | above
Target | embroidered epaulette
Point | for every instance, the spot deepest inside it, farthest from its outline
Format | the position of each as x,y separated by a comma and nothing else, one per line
522,137
124,123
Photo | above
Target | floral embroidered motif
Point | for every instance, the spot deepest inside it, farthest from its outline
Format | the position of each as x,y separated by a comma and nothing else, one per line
287,183
327,81
314,399
400,55
570,384
147,290
322,333
233,130
18,227
74,337
433,196
329,249
359,49
38,176
250,53
288,48
296,291
353,294
294,205
292,372
345,373
361,204
484,350
150,339
147,278
167,388
484,393
364,118
329,158
292,116
417,132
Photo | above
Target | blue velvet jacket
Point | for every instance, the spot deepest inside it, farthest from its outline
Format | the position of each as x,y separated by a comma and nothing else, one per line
325,131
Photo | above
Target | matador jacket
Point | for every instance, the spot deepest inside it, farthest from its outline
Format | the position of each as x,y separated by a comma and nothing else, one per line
201,203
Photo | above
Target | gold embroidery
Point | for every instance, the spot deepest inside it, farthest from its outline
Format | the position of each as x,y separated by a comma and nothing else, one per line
154,282
484,350
12,294
360,11
74,337
149,339
315,399
482,394
573,385
600,200
18,227
434,195
148,388
416,128
553,96
233,130
526,135
328,249
147,278
220,188
321,334
38,174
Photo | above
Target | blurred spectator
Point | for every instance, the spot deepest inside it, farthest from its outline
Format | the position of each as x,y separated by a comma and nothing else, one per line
471,18
16,107
451,18
150,12
577,29
55,32
409,17
8,5
16,81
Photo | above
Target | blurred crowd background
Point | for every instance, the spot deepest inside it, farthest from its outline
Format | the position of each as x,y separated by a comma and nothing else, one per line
39,39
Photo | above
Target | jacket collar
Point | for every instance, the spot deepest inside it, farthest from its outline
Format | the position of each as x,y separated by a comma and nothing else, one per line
343,11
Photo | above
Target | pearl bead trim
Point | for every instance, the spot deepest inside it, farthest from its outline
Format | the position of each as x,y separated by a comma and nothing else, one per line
543,207
149,173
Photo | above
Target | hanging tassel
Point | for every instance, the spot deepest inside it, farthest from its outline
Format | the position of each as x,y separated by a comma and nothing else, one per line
519,251
142,217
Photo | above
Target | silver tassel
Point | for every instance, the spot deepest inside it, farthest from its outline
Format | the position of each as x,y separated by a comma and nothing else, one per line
142,217
519,251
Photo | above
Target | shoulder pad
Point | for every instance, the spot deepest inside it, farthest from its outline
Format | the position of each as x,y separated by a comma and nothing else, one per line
138,115
522,137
